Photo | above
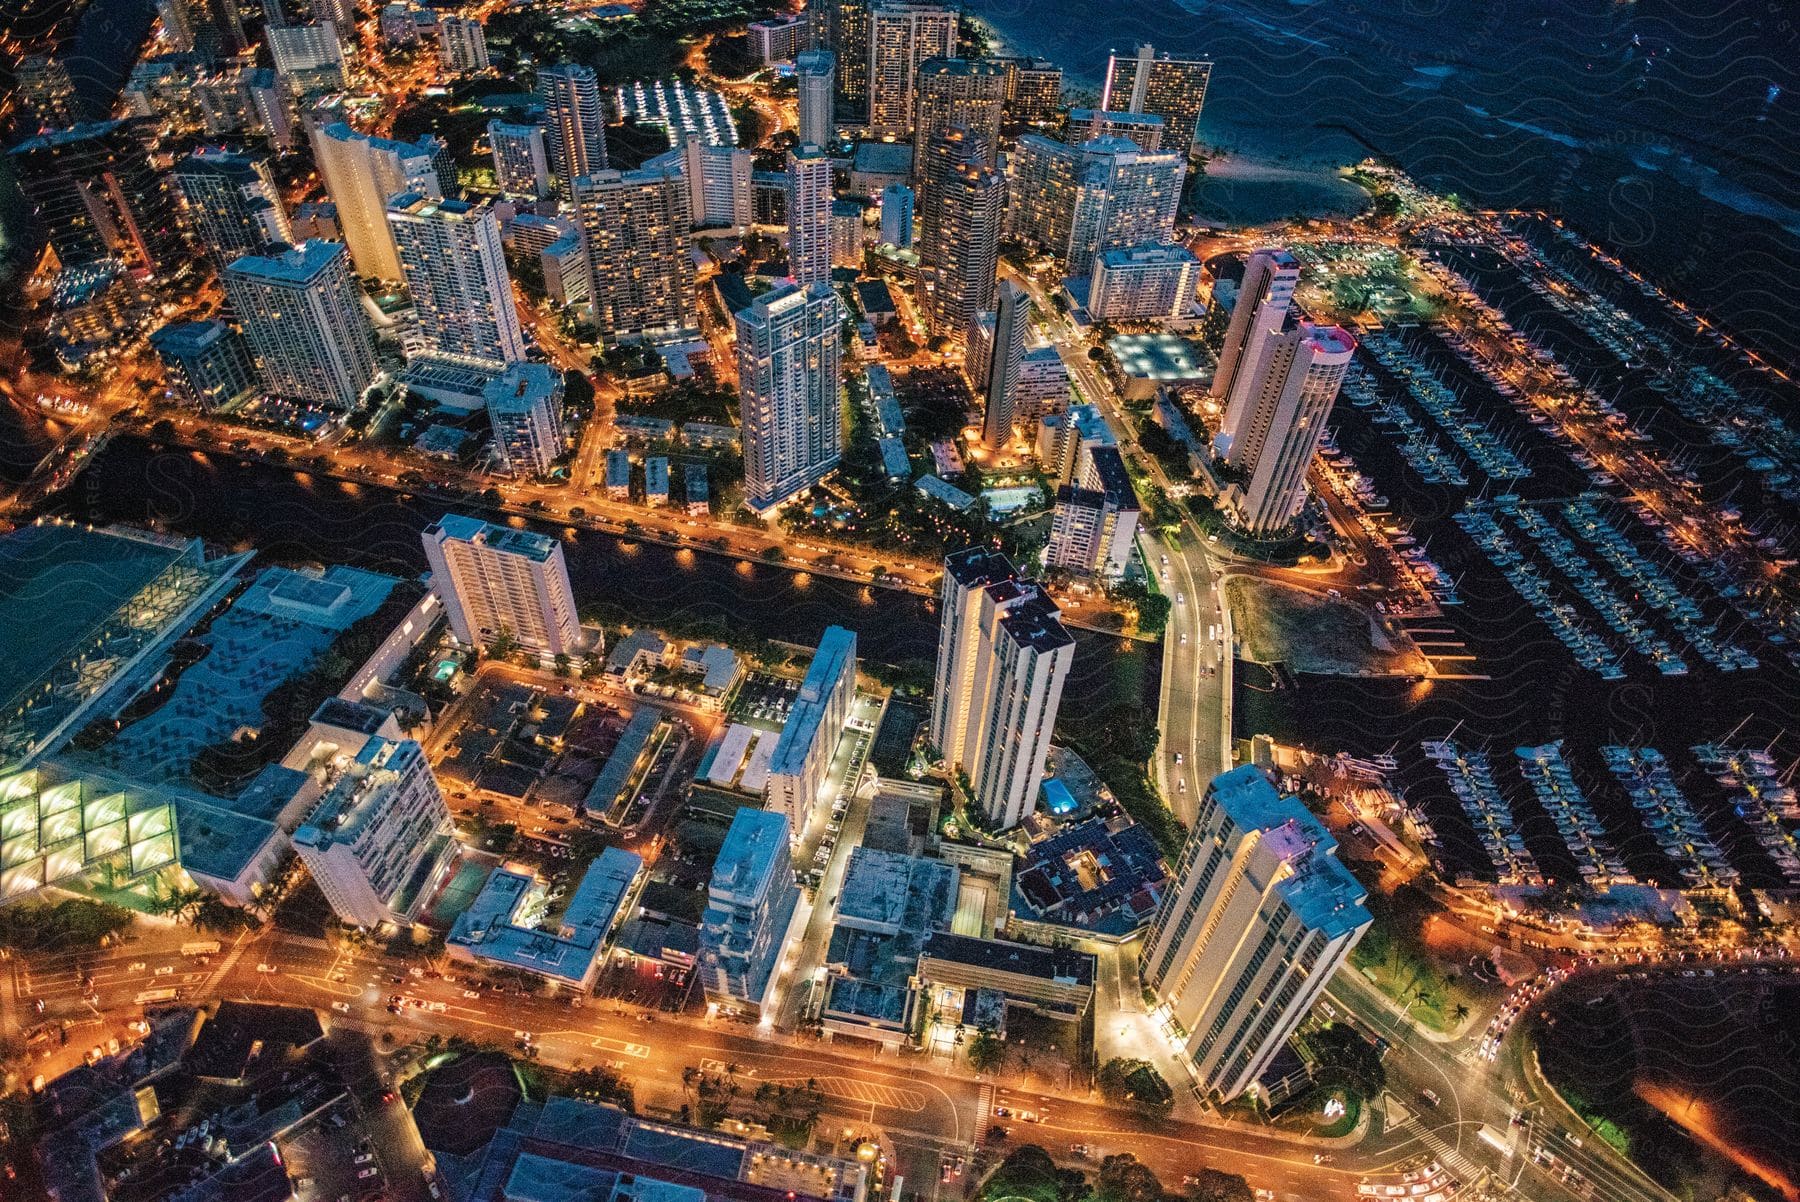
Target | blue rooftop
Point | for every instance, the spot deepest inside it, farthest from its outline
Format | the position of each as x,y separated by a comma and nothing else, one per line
1321,891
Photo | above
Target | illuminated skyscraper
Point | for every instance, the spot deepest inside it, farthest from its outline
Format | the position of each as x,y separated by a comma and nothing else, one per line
815,73
521,159
809,215
302,317
455,268
1076,201
1263,295
1008,354
361,172
955,91
790,385
574,122
965,208
1172,88
233,203
903,34
637,224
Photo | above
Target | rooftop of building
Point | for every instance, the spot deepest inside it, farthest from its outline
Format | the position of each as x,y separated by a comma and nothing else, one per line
756,842
836,656
296,265
1063,964
360,792
521,387
615,774
528,543
506,924
898,892
1099,875
1036,623
977,567
1115,481
1331,340
1149,252
184,337
1323,893
1158,356
883,158
242,1036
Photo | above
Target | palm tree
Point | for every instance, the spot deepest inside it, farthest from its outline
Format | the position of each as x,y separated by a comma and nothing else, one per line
1461,1012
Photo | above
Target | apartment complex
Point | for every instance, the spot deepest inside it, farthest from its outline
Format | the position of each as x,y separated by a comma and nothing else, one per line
455,268
636,225
494,578
750,901
957,91
302,318
903,35
799,771
524,408
521,159
790,384
232,203
361,173
1076,201
809,215
1171,88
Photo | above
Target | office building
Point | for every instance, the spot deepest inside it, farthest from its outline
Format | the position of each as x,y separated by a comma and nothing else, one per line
1261,915
95,195
1277,412
897,216
494,578
1173,89
380,838
903,35
790,387
524,407
1076,201
361,172
799,772
302,317
1143,130
1094,528
232,203
308,58
1142,283
574,122
636,224
207,362
521,159
749,904
815,75
1033,90
956,91
809,215
46,92
462,45
1006,357
1261,305
1003,657
455,268
964,209
778,39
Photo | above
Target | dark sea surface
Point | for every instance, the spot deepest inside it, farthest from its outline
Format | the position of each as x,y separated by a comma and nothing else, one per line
1667,129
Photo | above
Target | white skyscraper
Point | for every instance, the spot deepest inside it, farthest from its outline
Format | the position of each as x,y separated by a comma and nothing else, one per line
524,407
494,578
790,385
815,72
1010,319
308,58
455,267
902,36
799,771
302,318
897,216
636,224
574,121
462,45
1003,657
380,838
1270,277
1173,89
1137,283
521,161
1259,916
1277,412
809,215
361,172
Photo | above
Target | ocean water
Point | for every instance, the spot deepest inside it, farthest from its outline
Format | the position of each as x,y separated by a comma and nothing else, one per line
1664,128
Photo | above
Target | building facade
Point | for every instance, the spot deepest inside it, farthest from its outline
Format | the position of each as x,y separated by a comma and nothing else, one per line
1142,283
964,205
815,74
636,225
1261,915
1005,360
1276,416
494,578
790,384
521,159
302,317
455,268
799,772
1261,304
749,903
524,408
94,193
903,34
956,91
574,122
361,173
897,216
1003,657
207,361
1173,89
462,45
809,215
1076,201
232,202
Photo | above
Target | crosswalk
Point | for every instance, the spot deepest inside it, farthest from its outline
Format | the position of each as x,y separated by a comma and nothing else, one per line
984,1108
1466,1170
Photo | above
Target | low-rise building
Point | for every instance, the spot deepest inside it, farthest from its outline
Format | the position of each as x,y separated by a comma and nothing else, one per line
750,904
1057,981
798,775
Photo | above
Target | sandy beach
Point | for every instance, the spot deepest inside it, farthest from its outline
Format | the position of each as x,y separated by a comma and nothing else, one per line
1242,190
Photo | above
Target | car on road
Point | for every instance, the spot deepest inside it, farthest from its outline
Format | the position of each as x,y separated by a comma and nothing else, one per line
371,1171
1430,1098
341,1007
165,971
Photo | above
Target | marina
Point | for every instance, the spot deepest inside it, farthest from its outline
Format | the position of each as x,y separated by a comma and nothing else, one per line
1760,797
1471,778
1669,816
1553,783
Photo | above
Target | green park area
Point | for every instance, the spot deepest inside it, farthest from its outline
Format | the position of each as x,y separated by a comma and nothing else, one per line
1028,1174
1393,957
1310,631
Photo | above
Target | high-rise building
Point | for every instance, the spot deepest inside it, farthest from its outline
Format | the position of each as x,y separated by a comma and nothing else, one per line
790,386
1094,527
897,216
637,224
719,182
847,233
46,91
574,122
462,45
799,772
1033,90
361,172
847,28
1263,295
521,160
749,904
1261,914
1141,283
455,268
1003,657
233,203
964,211
1145,130
956,91
1277,411
1172,88
207,361
778,39
815,73
1006,357
380,838
245,100
1076,201
212,29
903,34
94,194
308,58
303,320
809,215
494,578
524,407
